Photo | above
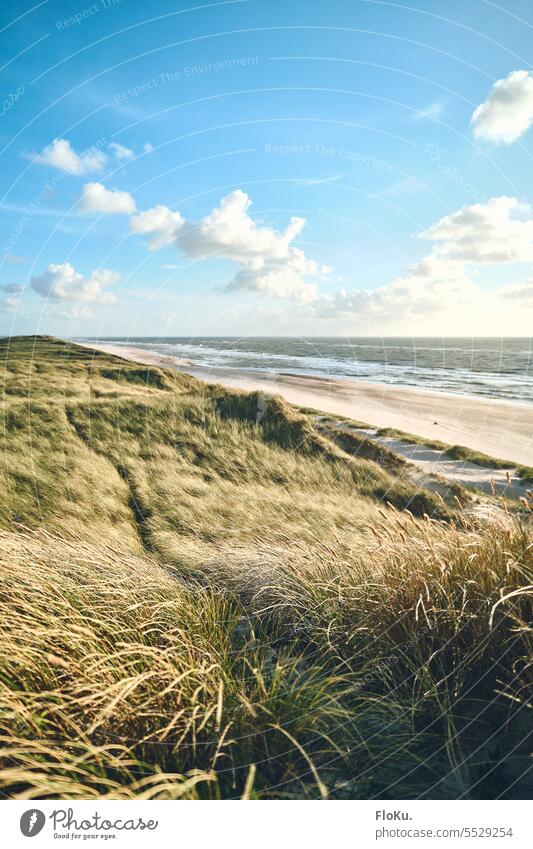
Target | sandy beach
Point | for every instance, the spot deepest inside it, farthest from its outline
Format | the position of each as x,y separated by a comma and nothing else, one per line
495,428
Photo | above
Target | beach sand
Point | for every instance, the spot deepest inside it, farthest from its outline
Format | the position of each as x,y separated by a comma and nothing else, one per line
493,427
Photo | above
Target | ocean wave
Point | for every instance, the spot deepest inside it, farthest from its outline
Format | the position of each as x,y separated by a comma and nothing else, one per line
494,368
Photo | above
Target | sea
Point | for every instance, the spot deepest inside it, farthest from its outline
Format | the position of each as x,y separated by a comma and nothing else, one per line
492,368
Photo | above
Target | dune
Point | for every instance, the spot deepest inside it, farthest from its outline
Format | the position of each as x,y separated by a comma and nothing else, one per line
495,428
208,594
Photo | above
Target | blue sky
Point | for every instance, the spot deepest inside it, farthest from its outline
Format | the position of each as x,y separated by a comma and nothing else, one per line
266,168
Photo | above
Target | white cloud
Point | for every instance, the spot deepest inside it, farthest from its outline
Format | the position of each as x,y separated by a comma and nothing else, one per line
96,198
432,111
498,231
60,154
268,262
521,292
229,231
148,148
507,113
159,221
120,151
430,285
277,280
63,282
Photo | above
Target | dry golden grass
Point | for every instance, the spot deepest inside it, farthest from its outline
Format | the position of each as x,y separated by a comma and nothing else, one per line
118,680
402,672
155,460
196,605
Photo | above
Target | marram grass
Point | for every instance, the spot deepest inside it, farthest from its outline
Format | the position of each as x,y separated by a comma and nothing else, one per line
194,605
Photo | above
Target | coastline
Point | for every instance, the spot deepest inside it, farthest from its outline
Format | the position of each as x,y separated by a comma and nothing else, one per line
499,429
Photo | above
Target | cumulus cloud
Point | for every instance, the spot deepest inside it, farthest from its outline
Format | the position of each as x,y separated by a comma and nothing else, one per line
268,263
499,231
120,151
148,148
430,285
522,292
507,113
278,280
64,283
60,154
96,198
229,231
160,223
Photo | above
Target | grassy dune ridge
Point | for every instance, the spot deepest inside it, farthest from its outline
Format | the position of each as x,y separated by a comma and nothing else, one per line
202,597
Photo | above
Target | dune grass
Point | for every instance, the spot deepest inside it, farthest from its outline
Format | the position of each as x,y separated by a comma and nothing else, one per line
197,601
293,675
163,463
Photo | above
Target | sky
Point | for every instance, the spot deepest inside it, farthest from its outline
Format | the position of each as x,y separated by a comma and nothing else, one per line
348,168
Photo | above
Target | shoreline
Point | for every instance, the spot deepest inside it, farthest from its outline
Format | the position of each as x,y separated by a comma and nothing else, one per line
499,429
